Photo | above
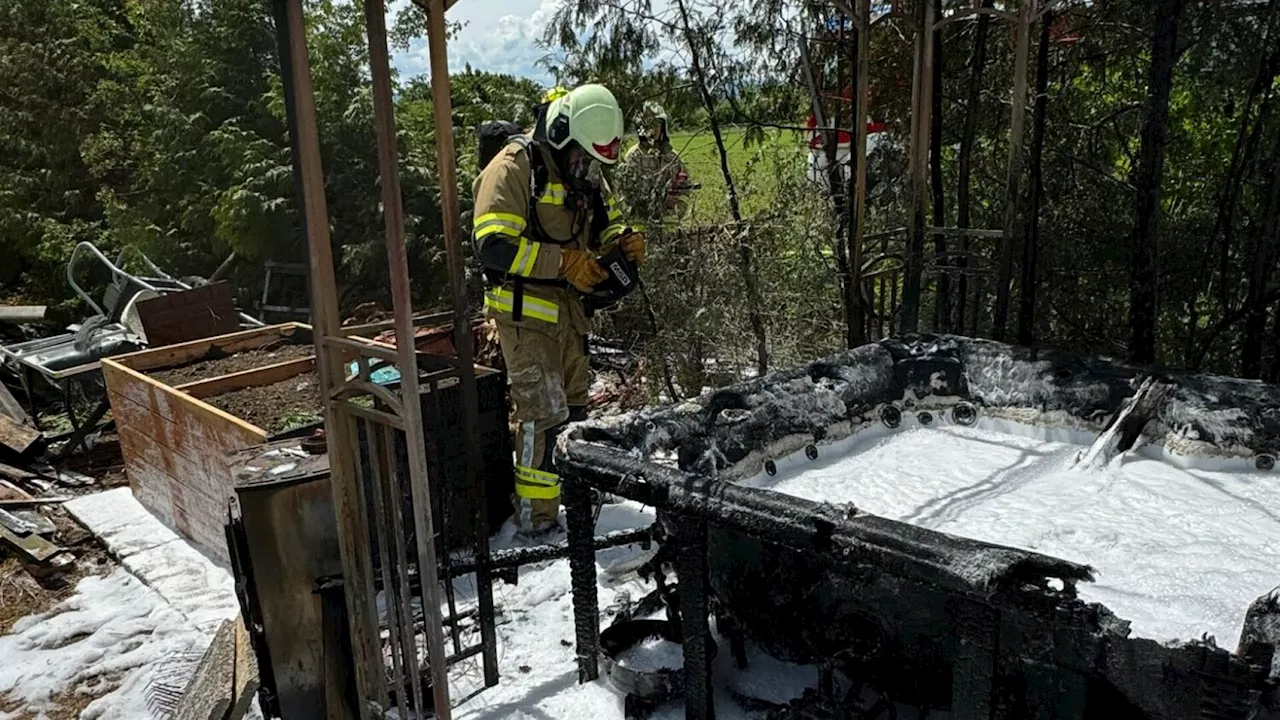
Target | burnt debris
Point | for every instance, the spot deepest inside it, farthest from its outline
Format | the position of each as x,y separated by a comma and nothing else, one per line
920,617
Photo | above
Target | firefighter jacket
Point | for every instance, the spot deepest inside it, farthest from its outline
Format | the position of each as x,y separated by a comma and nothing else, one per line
522,222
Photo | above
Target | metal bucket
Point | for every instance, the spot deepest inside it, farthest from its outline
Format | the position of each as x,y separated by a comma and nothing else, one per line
654,686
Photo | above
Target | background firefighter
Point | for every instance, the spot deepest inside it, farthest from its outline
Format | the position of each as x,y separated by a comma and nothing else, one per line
654,167
542,211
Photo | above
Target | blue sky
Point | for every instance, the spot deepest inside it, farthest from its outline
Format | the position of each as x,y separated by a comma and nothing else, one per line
497,36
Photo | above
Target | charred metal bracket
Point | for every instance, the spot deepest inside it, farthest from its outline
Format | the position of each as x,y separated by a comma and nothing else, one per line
582,573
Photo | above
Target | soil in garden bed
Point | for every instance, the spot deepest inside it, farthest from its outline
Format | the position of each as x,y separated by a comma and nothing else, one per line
278,407
246,360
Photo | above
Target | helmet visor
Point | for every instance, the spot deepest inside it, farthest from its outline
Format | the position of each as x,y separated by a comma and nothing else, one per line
608,152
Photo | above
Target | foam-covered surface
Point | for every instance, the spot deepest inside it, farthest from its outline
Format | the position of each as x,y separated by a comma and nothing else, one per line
196,586
144,623
109,639
1178,552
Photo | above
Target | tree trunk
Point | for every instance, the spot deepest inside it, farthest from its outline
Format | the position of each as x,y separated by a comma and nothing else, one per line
840,204
942,300
1224,219
858,298
1013,182
1255,322
1144,248
1273,376
745,264
969,135
918,167
1031,237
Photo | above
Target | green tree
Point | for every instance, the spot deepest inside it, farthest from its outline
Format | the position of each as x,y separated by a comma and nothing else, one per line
52,58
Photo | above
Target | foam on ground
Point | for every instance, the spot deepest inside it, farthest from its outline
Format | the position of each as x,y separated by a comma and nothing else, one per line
536,656
1180,552
144,623
107,639
195,585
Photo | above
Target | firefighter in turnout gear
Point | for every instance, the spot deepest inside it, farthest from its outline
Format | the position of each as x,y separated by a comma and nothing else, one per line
654,164
542,217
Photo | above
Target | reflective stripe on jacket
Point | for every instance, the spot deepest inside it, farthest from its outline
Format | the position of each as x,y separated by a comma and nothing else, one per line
509,242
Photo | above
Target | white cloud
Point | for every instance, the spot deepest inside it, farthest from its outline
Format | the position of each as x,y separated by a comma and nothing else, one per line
498,36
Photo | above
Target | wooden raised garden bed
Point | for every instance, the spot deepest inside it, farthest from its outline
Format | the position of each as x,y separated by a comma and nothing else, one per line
180,410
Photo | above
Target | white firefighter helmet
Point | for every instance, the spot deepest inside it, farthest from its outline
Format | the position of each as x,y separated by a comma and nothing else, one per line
590,116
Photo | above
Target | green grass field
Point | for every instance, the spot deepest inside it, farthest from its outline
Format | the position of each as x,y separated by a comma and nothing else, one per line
753,171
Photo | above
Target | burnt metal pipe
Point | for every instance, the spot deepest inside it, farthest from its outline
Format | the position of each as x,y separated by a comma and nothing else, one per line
515,557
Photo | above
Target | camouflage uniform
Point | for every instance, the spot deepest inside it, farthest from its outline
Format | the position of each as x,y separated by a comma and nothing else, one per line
542,324
657,167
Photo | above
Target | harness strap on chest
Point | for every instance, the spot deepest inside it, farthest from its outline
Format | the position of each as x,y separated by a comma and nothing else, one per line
538,186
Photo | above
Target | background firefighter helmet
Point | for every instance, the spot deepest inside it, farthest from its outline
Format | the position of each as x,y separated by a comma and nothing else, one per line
588,115
554,93
653,122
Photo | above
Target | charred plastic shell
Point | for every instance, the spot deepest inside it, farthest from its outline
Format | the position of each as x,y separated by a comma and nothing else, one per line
655,685
931,619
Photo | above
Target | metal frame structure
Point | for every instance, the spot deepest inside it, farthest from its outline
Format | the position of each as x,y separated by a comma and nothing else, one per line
922,23
347,411
365,486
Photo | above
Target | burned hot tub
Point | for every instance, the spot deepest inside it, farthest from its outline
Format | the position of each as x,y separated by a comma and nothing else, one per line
925,618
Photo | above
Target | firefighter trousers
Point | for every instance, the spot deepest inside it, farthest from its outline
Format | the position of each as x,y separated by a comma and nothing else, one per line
549,374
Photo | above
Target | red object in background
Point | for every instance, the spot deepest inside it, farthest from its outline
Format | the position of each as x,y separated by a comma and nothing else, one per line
1063,31
843,137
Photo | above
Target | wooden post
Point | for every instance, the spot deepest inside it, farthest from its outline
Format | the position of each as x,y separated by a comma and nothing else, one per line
402,303
324,315
1026,15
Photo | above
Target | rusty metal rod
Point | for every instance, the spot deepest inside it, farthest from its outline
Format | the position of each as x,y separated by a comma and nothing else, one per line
381,503
515,557
353,535
402,302
463,341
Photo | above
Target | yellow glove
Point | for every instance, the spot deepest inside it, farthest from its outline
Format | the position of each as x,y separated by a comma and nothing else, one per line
634,246
580,269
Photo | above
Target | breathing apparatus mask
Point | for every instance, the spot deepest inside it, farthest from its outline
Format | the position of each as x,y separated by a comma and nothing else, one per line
578,170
